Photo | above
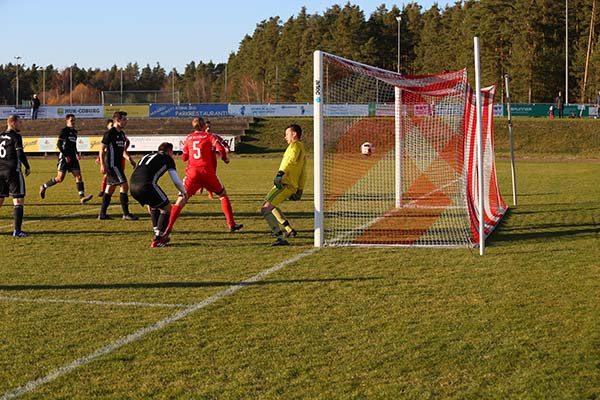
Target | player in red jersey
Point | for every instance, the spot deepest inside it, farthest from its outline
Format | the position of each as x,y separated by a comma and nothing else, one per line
199,150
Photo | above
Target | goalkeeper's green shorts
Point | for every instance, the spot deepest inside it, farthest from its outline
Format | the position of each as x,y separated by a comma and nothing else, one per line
278,196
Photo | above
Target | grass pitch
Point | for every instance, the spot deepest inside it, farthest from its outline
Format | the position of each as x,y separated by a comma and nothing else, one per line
341,323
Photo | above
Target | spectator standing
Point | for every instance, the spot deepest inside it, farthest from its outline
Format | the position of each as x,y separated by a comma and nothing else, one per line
559,103
35,106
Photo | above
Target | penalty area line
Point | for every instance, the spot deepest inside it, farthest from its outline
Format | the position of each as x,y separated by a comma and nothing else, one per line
141,333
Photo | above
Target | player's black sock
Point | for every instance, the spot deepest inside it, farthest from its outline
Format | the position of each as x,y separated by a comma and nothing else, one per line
124,202
105,203
154,214
18,216
80,189
51,182
163,221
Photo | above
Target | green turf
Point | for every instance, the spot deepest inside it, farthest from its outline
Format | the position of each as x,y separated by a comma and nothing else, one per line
343,323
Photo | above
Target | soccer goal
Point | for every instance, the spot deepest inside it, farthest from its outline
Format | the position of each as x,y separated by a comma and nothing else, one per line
396,161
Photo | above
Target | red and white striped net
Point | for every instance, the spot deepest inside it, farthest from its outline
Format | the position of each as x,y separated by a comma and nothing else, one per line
418,186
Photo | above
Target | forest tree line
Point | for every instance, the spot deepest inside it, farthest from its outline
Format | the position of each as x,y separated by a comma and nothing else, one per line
522,38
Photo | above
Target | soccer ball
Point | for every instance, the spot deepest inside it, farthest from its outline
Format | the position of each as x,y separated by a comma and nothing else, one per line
366,149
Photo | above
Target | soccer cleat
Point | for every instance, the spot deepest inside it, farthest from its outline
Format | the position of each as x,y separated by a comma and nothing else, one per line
291,233
104,217
236,227
86,198
130,217
280,242
161,242
20,234
42,192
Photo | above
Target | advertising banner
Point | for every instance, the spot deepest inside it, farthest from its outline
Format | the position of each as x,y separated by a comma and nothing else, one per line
21,112
498,110
188,110
135,111
271,110
78,111
346,110
30,145
87,144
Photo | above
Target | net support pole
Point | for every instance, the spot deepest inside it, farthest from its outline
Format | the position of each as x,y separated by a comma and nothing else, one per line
479,148
318,147
512,147
398,146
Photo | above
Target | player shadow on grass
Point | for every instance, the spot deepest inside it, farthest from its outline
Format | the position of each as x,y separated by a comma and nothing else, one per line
175,285
116,232
248,214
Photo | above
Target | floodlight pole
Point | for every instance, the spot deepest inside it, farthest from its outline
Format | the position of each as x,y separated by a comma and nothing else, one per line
512,147
17,95
318,147
399,19
479,149
71,85
566,51
44,86
121,85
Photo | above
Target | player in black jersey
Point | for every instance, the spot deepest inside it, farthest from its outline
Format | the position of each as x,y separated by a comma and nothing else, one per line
145,189
68,160
11,177
111,164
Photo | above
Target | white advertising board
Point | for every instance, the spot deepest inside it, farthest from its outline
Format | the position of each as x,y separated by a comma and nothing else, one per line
270,110
88,144
346,110
78,111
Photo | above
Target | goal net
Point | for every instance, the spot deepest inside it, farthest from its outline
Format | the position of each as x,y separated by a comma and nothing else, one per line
396,158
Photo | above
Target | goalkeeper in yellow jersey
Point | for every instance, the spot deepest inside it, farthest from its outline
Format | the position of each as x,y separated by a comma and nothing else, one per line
288,184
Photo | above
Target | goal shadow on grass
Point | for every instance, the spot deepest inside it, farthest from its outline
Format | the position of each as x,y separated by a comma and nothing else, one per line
537,232
178,285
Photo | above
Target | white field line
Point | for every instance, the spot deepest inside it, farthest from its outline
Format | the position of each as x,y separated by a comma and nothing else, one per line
139,334
86,211
93,302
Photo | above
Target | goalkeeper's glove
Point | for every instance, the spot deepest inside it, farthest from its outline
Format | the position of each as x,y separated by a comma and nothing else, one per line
278,181
296,196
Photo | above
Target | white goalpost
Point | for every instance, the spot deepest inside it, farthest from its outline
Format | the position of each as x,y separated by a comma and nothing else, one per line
402,160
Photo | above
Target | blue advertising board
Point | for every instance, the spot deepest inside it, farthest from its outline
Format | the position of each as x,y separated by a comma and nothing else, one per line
188,110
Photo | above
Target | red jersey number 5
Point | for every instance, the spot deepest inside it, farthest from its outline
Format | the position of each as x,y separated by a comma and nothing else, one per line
196,147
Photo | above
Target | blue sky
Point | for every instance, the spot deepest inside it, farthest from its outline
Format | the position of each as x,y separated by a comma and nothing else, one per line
103,33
